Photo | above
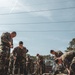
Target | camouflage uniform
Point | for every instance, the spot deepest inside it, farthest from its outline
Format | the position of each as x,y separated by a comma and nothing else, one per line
20,63
28,65
39,66
58,54
57,67
72,67
4,55
69,60
32,66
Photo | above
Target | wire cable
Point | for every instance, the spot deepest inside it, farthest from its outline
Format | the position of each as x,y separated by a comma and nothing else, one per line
40,31
39,11
37,23
44,3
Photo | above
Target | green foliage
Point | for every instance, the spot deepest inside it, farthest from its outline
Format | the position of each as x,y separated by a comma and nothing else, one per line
71,45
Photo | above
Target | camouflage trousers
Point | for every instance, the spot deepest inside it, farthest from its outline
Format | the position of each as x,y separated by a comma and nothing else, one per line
72,67
38,70
4,61
19,66
4,65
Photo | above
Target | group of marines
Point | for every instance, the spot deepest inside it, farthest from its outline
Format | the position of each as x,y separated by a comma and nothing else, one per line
17,62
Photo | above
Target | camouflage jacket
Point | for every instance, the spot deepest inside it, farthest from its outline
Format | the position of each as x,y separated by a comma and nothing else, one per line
40,60
18,52
5,39
67,58
58,54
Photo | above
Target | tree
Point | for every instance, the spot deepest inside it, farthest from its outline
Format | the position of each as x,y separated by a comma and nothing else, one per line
71,45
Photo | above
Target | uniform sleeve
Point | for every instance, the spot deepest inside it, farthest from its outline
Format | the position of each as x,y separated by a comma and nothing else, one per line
15,52
11,40
66,63
24,52
65,60
59,53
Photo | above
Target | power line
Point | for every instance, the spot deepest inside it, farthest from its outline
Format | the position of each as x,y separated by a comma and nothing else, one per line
44,3
48,31
42,31
39,11
37,23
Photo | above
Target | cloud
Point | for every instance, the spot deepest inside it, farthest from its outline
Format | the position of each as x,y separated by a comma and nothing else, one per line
29,8
10,6
44,14
7,3
4,28
18,6
59,39
14,6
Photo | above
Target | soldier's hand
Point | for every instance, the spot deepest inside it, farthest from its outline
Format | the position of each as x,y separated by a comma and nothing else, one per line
11,46
10,43
68,71
14,58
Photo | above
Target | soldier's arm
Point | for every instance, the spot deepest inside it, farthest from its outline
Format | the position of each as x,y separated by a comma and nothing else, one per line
15,52
11,43
66,63
25,50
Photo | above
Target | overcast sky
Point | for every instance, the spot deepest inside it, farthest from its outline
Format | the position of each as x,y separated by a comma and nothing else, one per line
41,24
